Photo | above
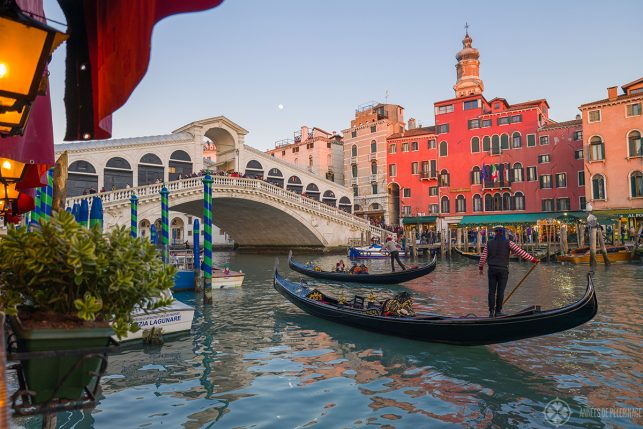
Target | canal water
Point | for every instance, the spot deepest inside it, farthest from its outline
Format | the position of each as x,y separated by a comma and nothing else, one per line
253,360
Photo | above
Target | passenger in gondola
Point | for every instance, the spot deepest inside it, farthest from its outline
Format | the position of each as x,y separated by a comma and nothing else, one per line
355,269
340,267
496,254
363,269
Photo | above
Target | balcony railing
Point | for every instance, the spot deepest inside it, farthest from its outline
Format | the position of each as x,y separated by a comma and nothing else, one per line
373,178
372,156
354,181
353,160
428,175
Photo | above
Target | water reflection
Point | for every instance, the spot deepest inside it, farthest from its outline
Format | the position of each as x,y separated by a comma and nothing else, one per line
255,360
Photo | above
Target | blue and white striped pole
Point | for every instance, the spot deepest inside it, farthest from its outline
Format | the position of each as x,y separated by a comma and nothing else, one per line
207,238
165,224
134,216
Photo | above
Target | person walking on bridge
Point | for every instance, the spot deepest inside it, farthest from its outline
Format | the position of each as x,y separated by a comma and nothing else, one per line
496,254
392,247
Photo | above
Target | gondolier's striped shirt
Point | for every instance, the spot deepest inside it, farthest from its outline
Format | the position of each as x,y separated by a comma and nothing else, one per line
514,249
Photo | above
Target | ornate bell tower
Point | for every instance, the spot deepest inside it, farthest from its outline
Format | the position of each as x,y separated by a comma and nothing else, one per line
468,68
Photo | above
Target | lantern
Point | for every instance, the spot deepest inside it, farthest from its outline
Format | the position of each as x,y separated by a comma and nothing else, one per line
27,45
11,173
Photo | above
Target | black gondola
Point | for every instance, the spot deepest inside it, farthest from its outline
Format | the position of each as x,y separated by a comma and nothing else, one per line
383,278
465,331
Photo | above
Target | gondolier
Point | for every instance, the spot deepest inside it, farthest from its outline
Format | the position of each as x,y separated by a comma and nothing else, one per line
392,247
496,254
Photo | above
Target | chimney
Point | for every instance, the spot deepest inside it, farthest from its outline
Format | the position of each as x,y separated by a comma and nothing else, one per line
304,132
411,125
577,116
612,92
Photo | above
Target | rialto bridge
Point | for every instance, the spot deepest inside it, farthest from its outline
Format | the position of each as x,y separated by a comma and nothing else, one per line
266,208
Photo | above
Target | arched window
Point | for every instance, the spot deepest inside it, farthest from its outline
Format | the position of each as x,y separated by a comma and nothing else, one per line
150,170
374,167
444,148
506,201
598,187
329,198
486,144
294,184
354,150
475,144
444,204
275,177
460,204
635,144
180,165
176,231
519,201
636,184
373,146
596,149
476,176
477,203
81,178
312,191
497,203
444,178
495,145
488,203
504,141
354,170
516,140
345,204
118,174
254,169
518,172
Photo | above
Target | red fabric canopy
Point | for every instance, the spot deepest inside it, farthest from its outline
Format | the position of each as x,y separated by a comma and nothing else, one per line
107,56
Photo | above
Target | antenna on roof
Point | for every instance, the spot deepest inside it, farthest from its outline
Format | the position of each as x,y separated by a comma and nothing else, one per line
386,97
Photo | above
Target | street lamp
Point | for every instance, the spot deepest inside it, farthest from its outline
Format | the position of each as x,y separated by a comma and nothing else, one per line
11,173
27,45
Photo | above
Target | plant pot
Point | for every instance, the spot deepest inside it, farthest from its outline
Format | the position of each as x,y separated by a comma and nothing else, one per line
47,376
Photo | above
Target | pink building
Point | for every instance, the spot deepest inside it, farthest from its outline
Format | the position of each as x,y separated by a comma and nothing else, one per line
612,130
315,150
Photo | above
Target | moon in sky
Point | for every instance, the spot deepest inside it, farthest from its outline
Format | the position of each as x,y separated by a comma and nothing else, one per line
280,107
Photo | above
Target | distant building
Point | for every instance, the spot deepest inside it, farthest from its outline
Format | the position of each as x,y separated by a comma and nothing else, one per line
314,149
365,157
612,130
486,156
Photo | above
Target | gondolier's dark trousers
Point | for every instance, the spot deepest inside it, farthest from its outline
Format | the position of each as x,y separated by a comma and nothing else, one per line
395,256
497,282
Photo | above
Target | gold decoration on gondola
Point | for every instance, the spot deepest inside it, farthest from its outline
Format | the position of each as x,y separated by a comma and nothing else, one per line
373,312
316,295
371,297
342,298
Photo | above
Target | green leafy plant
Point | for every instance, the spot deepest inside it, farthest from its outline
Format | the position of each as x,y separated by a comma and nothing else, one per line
65,268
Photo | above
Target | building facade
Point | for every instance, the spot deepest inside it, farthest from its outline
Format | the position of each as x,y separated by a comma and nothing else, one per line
365,157
314,149
486,156
613,151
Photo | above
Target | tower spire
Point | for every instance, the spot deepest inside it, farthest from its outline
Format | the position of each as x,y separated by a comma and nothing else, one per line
468,68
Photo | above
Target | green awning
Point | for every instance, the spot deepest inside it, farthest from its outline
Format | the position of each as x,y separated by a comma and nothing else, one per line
515,218
616,214
418,219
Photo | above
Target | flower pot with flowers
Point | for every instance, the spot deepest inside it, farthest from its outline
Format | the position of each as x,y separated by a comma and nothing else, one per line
69,287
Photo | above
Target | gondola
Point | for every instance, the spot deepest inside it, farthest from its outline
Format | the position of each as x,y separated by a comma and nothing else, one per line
476,256
464,331
382,278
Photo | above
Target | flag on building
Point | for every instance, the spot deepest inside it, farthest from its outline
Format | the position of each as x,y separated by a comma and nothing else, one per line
494,173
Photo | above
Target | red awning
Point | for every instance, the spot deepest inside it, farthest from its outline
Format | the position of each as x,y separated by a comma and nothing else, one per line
108,53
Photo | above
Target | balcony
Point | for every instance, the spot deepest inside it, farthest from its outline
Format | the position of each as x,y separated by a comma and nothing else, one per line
373,178
428,175
372,156
353,160
354,181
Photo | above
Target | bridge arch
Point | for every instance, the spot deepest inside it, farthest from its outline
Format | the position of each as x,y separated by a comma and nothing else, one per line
345,204
275,177
81,178
329,198
312,191
294,184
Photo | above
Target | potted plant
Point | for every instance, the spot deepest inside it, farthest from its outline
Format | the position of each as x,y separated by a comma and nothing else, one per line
69,287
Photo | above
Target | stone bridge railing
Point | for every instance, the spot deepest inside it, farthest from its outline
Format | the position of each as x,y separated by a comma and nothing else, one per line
122,197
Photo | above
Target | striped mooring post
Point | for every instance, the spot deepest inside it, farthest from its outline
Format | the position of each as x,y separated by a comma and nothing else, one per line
207,239
196,235
165,224
35,213
46,196
133,216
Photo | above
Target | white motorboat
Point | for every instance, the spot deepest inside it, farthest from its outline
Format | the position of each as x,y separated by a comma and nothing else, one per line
224,279
167,320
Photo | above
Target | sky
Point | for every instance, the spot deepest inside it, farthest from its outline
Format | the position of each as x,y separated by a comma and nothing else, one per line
320,59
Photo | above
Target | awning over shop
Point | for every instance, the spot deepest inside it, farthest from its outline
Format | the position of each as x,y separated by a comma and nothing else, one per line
418,219
516,218
616,214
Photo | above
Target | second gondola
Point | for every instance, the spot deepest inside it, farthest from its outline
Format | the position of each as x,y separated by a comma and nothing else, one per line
374,278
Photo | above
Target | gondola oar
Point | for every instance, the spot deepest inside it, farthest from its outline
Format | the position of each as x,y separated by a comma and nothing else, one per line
518,285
